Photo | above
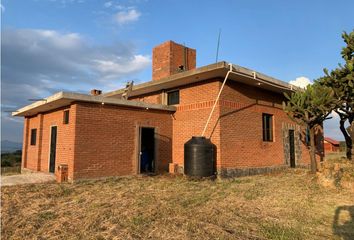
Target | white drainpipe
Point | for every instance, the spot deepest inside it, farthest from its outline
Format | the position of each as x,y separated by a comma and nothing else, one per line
217,99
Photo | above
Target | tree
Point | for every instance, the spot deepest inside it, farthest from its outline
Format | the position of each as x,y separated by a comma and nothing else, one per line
341,80
310,107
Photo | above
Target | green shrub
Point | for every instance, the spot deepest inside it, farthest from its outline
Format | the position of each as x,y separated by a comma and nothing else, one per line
11,159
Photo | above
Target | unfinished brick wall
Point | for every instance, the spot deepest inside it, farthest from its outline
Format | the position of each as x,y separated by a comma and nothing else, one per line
36,157
102,140
236,125
242,144
155,97
107,139
99,141
169,56
196,101
30,153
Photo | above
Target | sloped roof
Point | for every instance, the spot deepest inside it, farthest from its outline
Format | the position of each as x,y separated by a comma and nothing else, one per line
331,140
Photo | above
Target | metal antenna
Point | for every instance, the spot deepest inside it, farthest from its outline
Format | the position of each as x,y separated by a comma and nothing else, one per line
217,48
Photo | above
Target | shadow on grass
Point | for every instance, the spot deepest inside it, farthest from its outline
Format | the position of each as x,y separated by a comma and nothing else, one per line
343,222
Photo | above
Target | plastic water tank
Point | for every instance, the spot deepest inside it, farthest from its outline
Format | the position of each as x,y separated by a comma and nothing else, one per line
199,157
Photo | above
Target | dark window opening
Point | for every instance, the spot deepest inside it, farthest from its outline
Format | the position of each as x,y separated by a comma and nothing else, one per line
173,97
66,117
33,136
267,127
307,136
292,148
181,68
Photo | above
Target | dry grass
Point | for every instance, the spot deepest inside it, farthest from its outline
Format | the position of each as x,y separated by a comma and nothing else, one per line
284,206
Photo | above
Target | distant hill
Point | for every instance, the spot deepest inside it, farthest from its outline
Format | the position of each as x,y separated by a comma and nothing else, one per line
9,146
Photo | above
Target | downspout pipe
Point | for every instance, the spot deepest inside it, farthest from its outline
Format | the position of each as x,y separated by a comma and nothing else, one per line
217,99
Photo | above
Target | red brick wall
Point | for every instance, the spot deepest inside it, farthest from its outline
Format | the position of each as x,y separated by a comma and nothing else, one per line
196,101
149,98
25,143
238,132
242,144
31,152
329,147
37,157
103,139
167,57
107,139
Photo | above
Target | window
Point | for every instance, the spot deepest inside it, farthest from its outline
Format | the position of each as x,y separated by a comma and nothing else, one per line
173,97
66,117
267,127
33,136
307,136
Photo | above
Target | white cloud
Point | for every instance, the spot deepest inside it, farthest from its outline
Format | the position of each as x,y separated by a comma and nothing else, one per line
111,68
108,4
301,82
37,63
128,16
2,8
65,41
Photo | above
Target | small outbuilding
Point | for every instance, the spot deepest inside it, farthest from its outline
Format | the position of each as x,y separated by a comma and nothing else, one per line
330,145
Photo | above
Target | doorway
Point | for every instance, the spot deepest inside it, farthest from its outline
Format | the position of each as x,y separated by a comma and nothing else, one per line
147,150
53,148
292,148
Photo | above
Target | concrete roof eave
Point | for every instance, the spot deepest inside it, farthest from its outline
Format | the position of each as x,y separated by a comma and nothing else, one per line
62,99
216,70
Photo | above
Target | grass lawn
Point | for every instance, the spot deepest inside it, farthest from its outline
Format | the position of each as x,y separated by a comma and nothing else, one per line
288,205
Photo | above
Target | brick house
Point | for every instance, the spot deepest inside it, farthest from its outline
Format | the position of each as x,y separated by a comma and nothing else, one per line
330,145
101,135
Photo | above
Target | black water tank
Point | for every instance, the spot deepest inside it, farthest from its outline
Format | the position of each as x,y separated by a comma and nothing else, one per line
199,157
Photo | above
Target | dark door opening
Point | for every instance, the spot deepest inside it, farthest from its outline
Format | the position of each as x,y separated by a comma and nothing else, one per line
53,149
147,150
292,148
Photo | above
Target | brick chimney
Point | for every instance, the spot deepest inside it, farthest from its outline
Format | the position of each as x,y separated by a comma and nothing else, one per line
170,58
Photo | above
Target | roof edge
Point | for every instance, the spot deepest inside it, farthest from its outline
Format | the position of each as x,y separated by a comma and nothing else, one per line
210,67
220,67
62,99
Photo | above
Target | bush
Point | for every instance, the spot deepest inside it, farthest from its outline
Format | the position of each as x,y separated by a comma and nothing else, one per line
11,159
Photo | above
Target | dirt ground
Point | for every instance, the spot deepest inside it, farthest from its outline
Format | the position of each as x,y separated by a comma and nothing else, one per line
289,205
17,179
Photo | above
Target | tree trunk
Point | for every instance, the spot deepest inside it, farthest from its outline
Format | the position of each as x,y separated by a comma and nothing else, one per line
348,139
352,139
313,150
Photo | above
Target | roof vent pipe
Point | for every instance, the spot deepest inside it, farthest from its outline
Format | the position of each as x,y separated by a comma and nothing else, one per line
217,99
96,92
254,75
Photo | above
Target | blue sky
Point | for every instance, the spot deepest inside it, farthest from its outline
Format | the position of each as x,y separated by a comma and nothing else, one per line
77,45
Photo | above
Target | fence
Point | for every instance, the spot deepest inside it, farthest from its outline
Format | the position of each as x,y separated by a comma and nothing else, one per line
8,170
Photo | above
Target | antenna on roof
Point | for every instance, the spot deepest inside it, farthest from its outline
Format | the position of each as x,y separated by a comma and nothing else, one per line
127,90
217,47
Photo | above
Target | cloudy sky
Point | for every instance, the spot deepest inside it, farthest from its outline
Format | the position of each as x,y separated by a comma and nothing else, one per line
76,45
